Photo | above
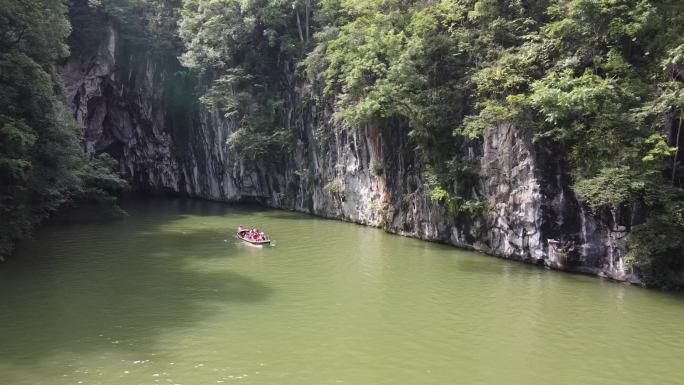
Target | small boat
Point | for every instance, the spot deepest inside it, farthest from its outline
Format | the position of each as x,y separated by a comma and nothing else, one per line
253,236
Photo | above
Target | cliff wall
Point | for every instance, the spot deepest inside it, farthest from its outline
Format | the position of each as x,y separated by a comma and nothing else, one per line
139,107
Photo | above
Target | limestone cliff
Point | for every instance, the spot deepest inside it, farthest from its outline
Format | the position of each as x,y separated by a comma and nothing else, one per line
120,96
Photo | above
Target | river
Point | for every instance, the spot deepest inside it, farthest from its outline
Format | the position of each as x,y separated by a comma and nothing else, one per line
169,296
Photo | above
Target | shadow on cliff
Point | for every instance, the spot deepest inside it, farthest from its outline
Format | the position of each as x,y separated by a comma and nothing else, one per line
120,286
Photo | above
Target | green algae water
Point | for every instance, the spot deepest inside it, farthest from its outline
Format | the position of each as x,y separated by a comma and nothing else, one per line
169,296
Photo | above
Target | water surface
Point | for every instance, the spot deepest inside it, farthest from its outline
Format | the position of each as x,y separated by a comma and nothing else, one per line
168,296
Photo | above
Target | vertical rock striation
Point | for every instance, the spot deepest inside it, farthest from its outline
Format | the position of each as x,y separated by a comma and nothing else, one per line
138,107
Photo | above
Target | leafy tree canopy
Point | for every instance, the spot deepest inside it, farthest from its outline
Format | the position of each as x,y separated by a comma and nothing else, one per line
41,164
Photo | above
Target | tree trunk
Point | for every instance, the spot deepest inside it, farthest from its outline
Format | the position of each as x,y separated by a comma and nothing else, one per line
299,27
307,10
679,132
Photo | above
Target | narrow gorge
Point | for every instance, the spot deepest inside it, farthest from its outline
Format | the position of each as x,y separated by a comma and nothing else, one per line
269,192
141,107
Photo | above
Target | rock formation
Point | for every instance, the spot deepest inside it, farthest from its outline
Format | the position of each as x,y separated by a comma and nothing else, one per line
127,102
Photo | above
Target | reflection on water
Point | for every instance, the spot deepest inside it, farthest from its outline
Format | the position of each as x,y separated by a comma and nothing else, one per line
169,296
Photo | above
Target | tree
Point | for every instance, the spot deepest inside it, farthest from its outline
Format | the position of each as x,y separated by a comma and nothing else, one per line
41,164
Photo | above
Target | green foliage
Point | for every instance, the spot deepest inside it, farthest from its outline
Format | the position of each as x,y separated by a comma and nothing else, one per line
334,187
99,180
245,50
41,164
457,205
377,168
255,145
148,25
380,210
384,62
256,138
395,59
603,79
656,246
612,187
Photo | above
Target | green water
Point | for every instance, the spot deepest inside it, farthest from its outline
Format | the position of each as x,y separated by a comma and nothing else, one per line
168,296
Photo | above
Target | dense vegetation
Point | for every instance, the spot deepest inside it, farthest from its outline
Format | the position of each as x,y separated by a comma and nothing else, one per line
604,80
41,164
600,79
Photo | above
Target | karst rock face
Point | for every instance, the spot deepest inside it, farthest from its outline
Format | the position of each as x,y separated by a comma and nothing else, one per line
140,108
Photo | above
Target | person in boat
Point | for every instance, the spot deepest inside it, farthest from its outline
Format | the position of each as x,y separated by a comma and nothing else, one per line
245,233
252,234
